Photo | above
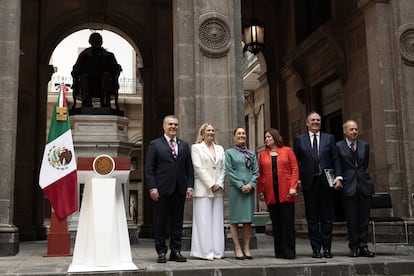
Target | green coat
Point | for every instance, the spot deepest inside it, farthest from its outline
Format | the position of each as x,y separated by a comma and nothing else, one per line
241,205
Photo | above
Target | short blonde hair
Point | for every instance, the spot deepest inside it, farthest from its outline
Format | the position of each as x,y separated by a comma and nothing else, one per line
201,131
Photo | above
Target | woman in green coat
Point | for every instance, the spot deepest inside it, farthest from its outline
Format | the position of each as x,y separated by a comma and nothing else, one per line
242,172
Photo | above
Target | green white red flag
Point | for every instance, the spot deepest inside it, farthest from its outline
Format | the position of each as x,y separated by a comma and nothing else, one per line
58,176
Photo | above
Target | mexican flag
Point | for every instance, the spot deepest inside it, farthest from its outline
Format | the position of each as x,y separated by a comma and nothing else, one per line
58,177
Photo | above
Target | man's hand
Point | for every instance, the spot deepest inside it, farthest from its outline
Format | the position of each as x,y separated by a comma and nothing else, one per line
337,184
189,194
154,194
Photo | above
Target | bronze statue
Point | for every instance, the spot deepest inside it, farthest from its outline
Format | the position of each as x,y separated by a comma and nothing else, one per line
95,75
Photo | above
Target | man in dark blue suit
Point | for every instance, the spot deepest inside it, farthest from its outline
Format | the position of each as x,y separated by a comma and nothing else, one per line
170,179
315,152
357,188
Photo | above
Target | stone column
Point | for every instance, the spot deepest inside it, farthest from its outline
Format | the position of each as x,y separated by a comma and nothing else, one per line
387,93
207,73
207,67
9,79
405,86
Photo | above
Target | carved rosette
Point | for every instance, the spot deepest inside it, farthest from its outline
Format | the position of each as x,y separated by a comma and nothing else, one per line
214,35
407,43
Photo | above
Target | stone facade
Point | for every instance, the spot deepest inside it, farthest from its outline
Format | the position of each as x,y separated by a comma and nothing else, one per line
353,60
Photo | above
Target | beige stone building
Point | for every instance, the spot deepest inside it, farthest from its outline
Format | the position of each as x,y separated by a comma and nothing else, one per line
346,59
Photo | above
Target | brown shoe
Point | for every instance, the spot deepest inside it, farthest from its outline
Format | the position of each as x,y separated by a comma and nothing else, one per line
176,256
327,254
364,252
161,258
354,253
316,254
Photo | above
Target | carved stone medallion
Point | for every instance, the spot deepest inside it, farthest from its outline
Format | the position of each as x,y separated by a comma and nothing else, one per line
214,34
407,43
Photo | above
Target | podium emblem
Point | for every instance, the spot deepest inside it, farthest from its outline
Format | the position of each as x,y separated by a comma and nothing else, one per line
103,164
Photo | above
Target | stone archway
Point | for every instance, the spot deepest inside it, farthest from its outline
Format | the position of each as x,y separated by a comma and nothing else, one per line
55,20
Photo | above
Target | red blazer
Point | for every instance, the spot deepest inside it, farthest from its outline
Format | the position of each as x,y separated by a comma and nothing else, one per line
287,173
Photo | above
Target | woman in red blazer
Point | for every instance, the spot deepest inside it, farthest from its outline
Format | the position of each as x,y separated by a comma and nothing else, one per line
277,183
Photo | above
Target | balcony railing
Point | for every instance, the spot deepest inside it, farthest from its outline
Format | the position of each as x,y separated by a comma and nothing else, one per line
126,86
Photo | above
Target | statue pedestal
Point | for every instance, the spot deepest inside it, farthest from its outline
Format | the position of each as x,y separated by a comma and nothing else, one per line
100,134
102,240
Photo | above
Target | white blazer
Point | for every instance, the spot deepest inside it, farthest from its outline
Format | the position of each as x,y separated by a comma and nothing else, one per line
207,171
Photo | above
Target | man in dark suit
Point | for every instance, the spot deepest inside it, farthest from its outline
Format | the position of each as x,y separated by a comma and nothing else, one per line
315,152
357,188
170,179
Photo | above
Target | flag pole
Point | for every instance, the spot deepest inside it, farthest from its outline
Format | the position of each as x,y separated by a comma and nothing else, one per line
58,239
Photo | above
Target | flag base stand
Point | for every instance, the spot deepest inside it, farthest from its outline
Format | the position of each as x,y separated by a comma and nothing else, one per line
58,239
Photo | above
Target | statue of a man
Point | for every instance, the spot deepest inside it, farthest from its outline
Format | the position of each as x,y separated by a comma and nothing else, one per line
95,75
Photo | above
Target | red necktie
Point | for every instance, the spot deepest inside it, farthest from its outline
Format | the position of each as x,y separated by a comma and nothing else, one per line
172,145
352,146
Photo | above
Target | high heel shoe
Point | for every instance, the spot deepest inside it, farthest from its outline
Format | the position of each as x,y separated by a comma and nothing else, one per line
248,257
239,257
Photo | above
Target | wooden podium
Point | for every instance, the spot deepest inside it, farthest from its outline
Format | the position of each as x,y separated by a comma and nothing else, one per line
102,240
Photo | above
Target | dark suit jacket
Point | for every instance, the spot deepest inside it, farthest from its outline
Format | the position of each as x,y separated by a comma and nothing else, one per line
328,158
164,172
355,173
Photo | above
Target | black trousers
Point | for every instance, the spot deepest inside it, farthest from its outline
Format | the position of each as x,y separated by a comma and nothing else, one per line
320,214
283,225
357,212
169,208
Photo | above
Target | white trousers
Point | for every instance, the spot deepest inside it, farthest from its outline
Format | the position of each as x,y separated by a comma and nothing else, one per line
207,239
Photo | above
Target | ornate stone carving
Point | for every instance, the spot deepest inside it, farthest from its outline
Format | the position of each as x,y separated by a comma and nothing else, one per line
214,34
407,43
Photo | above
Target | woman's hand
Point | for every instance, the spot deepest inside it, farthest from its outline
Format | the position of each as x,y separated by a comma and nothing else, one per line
292,193
215,188
246,188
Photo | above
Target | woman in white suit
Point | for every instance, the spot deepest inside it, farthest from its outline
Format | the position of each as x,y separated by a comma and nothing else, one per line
207,241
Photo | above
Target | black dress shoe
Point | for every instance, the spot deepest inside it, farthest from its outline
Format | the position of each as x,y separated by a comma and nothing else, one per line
364,252
354,253
161,258
316,254
176,256
327,254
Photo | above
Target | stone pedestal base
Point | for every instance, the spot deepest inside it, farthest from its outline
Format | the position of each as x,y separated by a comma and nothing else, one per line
95,111
9,241
100,134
